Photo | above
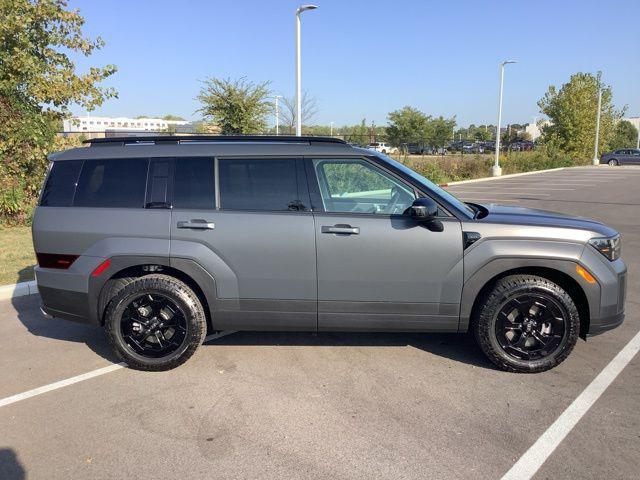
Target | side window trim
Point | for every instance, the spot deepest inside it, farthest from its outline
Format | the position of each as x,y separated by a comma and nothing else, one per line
168,194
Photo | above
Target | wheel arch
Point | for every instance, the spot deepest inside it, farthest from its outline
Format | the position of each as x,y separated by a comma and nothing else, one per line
185,270
560,272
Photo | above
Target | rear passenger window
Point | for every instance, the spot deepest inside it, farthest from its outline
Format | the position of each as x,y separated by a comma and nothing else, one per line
116,183
258,184
194,183
61,184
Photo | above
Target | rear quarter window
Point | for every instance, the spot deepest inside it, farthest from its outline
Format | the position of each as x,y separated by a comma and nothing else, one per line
114,183
61,184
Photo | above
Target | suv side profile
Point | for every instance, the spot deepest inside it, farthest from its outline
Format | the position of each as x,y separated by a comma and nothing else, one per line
161,239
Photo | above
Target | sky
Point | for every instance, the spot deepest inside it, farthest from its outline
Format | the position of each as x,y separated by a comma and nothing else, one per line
363,59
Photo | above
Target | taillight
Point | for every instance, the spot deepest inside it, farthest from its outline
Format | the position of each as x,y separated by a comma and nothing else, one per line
55,260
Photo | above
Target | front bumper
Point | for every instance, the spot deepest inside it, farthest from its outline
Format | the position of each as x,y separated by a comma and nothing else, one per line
612,280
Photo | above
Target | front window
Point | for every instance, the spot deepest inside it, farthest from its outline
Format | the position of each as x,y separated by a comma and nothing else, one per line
356,186
429,185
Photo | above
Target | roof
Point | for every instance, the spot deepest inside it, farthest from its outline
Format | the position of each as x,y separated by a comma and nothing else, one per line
204,145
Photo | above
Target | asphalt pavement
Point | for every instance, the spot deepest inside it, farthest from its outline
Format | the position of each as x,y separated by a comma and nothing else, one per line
335,406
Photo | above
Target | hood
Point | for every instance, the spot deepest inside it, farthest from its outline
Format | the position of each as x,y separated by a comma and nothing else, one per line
530,216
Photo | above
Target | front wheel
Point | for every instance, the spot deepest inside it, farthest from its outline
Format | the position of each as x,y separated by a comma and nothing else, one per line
613,162
526,324
155,322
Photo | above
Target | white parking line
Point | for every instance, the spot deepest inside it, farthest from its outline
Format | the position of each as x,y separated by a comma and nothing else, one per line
532,460
82,377
458,192
500,187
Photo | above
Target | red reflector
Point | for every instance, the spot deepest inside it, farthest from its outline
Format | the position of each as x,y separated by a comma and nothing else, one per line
55,260
101,268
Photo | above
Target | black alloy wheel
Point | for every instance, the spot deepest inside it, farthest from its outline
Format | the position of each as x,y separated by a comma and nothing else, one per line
531,326
153,326
526,323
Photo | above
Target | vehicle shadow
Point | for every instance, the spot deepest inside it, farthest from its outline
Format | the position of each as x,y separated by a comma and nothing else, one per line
29,314
10,466
457,347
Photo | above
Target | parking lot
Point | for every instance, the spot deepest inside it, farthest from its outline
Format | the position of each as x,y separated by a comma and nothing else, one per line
255,405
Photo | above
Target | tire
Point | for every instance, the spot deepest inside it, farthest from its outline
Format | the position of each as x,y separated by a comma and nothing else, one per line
519,350
166,334
613,162
384,151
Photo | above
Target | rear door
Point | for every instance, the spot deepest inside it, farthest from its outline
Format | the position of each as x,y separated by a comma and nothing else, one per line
247,221
377,268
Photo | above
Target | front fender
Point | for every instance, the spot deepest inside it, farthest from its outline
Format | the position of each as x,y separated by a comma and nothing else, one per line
492,258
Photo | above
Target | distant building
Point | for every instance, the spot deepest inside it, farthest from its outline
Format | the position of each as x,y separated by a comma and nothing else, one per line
107,124
534,129
635,121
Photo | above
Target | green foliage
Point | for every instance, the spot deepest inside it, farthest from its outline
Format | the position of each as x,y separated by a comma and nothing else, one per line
572,111
345,178
625,135
441,131
408,125
172,117
455,168
38,82
236,106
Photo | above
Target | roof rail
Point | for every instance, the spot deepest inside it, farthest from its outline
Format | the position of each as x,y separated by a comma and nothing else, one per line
187,139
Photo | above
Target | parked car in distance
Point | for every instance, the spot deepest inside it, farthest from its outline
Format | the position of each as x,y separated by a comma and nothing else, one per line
414,149
623,156
382,147
162,239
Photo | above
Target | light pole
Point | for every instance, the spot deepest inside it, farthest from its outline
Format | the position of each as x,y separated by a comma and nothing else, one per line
496,171
276,97
638,140
331,129
595,160
299,10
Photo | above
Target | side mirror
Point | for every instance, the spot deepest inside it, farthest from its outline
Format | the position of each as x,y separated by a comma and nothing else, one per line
423,210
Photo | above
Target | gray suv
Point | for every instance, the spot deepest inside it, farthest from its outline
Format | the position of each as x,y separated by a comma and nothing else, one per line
161,239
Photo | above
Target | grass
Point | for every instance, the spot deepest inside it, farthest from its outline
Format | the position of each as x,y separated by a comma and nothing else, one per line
16,255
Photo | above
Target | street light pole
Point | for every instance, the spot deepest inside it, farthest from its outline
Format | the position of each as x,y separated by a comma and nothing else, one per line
299,10
276,97
331,129
496,171
595,160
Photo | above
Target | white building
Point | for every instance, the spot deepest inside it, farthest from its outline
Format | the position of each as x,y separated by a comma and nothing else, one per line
534,129
102,124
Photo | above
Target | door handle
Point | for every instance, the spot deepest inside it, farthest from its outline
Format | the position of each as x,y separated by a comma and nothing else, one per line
341,229
198,224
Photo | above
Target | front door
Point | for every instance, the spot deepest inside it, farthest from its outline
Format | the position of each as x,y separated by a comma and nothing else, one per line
254,234
377,268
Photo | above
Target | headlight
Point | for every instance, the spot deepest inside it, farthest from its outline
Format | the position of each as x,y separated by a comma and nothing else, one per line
610,247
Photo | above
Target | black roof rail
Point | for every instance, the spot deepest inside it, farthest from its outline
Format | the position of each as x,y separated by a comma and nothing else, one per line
177,139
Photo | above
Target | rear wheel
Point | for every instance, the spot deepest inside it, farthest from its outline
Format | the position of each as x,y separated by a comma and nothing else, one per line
526,324
613,162
155,322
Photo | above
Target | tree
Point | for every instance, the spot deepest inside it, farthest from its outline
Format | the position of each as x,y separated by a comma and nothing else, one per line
38,83
170,117
407,125
287,111
441,131
237,106
572,114
625,135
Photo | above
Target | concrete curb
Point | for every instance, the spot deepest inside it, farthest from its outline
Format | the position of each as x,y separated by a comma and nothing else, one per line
18,290
487,179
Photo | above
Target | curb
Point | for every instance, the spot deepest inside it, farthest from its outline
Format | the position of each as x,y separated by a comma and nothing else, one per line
487,179
18,290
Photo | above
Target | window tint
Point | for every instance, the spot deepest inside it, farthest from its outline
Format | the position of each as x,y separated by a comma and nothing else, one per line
112,183
194,183
357,186
61,184
260,184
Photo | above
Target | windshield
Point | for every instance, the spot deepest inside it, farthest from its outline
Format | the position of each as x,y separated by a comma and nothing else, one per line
459,204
